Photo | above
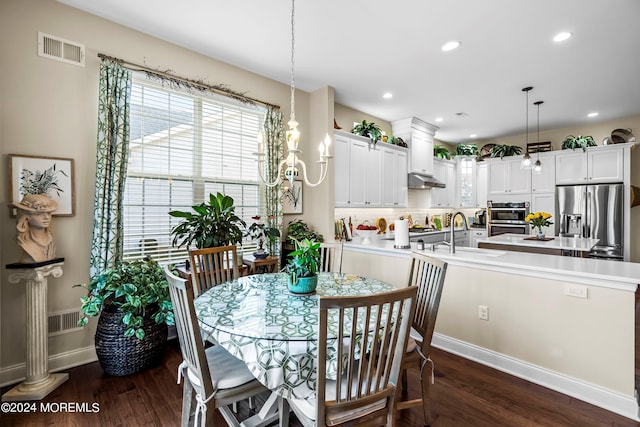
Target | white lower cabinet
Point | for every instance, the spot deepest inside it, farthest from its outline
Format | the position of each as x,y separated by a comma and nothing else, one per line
475,235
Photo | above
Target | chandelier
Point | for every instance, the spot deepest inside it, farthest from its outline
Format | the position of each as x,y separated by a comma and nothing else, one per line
289,166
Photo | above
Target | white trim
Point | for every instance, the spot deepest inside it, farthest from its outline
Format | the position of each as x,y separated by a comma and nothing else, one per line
598,396
14,374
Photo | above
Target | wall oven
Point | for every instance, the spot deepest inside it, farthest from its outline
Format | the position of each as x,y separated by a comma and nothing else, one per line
507,218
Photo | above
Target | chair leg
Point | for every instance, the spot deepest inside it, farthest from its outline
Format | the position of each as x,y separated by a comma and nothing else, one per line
283,411
425,382
187,398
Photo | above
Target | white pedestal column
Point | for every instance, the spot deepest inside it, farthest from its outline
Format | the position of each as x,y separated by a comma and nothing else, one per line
39,381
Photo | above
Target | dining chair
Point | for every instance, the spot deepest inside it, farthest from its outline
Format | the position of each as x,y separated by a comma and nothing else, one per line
370,363
330,257
212,266
427,274
212,377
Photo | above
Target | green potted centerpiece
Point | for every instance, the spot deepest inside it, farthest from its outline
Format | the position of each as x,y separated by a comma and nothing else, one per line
134,305
303,267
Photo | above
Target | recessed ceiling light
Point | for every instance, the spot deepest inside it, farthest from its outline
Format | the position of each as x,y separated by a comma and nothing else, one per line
560,37
450,46
439,119
473,135
594,114
387,95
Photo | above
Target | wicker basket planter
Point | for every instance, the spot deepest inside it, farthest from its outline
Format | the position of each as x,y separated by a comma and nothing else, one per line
119,355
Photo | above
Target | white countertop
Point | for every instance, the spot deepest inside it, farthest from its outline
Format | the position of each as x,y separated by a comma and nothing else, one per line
590,271
570,243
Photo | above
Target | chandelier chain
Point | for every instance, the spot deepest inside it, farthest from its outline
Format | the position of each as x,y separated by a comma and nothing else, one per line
293,60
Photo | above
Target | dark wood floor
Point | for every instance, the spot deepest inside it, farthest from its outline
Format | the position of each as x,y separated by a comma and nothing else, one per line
465,394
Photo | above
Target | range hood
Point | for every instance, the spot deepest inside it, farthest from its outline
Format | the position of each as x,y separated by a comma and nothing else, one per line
418,181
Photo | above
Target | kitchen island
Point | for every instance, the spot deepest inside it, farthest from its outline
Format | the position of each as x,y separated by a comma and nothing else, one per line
569,246
562,322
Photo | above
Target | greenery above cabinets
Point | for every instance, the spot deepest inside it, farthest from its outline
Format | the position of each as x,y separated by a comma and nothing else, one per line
505,150
441,152
573,142
466,150
368,129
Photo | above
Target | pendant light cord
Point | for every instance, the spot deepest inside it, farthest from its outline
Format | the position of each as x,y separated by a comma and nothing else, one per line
293,50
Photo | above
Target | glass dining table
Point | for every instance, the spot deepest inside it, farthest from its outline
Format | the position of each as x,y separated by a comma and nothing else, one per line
258,320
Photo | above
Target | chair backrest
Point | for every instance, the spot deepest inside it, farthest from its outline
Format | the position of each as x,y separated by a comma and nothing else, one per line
370,362
330,257
191,344
428,275
212,266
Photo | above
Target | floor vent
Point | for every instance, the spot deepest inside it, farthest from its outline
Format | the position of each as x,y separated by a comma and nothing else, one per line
57,48
63,322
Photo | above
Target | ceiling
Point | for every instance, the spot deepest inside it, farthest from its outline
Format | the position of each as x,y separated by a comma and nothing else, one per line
364,48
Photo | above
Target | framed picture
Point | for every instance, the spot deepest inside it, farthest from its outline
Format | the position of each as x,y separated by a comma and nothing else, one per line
43,175
292,198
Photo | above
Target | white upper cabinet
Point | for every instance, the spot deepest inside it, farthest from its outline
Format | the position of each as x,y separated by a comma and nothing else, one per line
481,184
445,172
394,176
545,181
418,134
466,184
506,177
596,165
341,168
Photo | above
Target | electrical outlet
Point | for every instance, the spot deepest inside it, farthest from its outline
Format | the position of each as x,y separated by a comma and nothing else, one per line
576,291
483,312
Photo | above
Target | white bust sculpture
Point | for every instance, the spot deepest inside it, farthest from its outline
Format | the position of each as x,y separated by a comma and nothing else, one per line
34,228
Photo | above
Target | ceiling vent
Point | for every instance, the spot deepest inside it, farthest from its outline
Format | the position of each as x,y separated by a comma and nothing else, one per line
53,47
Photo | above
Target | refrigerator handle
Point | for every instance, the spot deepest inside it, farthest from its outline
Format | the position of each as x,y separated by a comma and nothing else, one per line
585,223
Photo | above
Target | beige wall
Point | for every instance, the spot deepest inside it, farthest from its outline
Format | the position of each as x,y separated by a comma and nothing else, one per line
49,108
346,116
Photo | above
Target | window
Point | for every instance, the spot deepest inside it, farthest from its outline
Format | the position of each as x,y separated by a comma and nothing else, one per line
184,147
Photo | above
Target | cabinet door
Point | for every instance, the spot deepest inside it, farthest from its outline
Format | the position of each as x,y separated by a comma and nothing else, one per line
421,152
571,168
373,177
481,184
465,182
358,154
400,182
341,171
545,181
388,177
475,236
518,179
605,166
450,169
545,202
497,178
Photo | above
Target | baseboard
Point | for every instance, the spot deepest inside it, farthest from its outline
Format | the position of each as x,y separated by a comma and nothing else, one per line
14,374
598,396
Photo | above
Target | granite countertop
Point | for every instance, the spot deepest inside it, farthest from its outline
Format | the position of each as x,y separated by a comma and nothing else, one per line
568,243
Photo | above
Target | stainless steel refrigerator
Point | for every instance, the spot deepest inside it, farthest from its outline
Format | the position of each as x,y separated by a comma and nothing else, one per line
593,211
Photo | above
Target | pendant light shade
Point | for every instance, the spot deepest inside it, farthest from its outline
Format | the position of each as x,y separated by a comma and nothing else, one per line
537,167
526,160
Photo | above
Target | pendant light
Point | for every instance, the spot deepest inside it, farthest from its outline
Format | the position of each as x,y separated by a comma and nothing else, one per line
289,166
537,168
526,160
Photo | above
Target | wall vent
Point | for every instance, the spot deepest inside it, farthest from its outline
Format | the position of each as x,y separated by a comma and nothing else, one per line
63,322
57,48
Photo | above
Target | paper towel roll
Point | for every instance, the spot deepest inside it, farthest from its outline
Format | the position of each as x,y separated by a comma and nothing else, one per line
401,234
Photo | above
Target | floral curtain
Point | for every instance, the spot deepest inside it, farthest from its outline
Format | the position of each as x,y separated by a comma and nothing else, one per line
111,165
274,143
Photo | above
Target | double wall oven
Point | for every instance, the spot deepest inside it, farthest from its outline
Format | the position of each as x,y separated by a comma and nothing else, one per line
507,218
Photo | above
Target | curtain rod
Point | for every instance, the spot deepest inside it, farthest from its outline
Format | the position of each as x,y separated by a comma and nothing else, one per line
191,83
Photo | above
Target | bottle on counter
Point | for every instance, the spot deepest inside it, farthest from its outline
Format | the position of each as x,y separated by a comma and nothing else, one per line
350,226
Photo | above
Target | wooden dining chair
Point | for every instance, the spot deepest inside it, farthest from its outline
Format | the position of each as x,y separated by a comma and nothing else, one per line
212,266
213,378
427,274
370,362
330,257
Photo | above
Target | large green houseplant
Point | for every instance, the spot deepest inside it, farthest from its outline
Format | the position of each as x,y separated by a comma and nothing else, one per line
134,305
504,150
369,129
211,224
573,142
303,266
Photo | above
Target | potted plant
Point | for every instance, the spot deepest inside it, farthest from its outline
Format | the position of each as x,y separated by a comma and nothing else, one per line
369,129
134,306
502,150
303,267
441,152
539,220
579,141
466,150
299,230
262,232
212,224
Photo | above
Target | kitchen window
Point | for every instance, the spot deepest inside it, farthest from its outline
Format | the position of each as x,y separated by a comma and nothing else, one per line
183,147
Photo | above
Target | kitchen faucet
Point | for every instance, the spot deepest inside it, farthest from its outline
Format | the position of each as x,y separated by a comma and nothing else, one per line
452,241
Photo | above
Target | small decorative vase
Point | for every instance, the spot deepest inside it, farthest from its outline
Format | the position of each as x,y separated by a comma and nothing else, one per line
540,235
304,285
